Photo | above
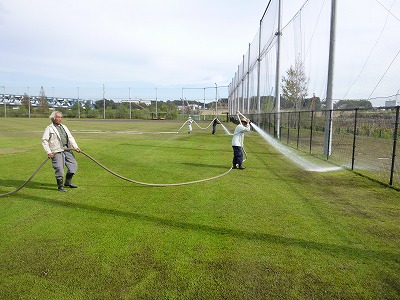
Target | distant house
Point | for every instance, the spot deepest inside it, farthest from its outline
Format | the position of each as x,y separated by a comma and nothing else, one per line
391,103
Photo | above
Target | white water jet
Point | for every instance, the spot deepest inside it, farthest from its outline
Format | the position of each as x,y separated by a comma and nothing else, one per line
301,161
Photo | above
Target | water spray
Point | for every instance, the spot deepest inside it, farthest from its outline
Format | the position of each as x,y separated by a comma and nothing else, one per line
297,159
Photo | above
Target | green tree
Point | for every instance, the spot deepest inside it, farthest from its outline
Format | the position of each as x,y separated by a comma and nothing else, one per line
122,111
99,104
26,101
351,104
267,103
295,85
76,110
313,103
43,106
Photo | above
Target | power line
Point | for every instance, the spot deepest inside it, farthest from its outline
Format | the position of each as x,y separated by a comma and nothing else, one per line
384,74
388,10
366,61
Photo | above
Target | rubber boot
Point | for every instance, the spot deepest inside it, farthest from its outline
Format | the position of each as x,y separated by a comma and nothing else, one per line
60,185
68,181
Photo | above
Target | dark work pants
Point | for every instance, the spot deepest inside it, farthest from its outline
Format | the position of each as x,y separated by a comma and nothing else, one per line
237,155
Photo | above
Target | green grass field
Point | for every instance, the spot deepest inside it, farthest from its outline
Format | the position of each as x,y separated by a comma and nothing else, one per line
272,231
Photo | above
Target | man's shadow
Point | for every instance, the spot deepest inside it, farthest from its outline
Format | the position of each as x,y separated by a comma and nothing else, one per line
30,185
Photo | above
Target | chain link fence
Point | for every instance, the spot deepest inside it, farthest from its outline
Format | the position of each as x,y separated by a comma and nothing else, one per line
364,141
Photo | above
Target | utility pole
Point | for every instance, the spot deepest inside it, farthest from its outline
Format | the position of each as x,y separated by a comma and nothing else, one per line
278,74
4,101
79,110
204,101
130,105
104,103
248,80
183,106
156,105
259,68
29,104
329,89
216,101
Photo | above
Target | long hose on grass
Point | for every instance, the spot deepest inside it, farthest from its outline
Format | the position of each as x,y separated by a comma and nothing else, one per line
125,178
26,182
117,175
197,125
152,184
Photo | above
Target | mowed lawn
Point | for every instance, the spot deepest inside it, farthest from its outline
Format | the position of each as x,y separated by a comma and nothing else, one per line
271,231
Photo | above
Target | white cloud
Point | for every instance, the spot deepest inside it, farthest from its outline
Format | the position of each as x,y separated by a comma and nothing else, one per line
158,42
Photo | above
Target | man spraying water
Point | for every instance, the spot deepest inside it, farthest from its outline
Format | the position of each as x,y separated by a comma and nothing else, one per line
238,141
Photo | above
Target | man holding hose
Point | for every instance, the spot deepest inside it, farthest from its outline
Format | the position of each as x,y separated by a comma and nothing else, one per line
57,141
237,142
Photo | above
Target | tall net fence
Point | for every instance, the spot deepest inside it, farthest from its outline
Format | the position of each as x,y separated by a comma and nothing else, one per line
282,81
367,55
365,141
304,37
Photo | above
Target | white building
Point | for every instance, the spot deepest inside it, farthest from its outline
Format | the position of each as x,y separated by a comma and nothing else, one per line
391,103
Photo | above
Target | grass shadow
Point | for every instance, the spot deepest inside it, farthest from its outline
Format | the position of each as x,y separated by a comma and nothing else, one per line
330,249
226,166
31,184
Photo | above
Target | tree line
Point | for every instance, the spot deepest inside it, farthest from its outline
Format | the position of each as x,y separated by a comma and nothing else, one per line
109,108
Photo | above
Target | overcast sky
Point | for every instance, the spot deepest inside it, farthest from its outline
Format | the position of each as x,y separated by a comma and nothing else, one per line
149,44
122,43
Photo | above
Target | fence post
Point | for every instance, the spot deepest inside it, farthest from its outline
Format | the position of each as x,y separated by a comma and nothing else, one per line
311,130
396,126
275,130
354,139
329,141
298,131
269,123
288,128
